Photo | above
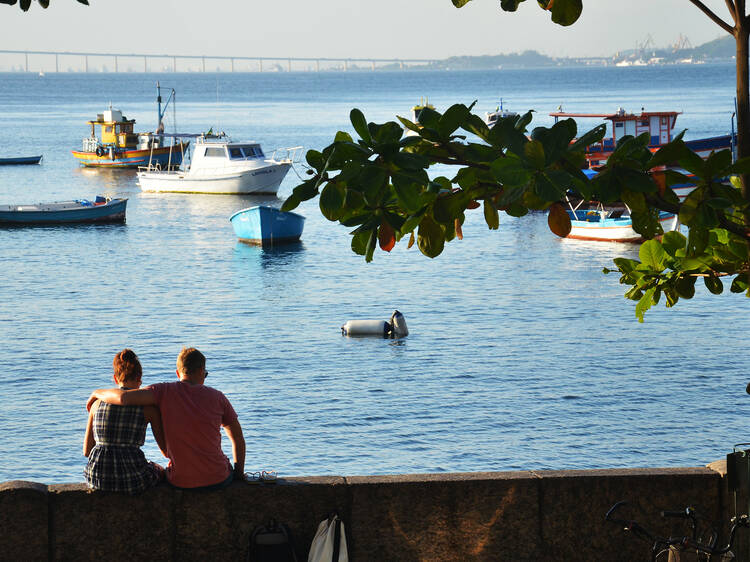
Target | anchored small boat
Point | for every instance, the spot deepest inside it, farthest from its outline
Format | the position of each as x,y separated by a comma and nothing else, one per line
492,117
100,210
415,112
263,225
610,224
20,160
118,146
218,165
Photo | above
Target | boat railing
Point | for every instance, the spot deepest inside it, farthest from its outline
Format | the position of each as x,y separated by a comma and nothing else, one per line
290,155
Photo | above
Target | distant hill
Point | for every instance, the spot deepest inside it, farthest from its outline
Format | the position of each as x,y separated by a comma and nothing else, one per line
512,60
718,49
722,48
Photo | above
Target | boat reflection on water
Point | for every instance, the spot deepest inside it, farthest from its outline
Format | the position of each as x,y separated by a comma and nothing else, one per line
108,180
270,257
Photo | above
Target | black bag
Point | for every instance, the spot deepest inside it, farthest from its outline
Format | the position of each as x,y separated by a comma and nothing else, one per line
271,542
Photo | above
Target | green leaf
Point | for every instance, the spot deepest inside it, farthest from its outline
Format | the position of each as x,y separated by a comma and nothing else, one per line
673,241
685,286
534,153
566,12
491,216
408,192
460,3
644,303
359,242
452,119
447,208
652,254
332,201
714,284
372,241
315,159
360,125
509,5
430,238
372,180
740,283
510,171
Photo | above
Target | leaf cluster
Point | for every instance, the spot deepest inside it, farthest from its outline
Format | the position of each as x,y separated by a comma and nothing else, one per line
26,4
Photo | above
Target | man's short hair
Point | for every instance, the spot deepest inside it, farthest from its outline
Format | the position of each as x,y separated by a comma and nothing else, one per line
190,361
127,366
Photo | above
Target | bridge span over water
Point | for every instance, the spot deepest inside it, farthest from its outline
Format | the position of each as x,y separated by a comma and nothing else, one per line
81,61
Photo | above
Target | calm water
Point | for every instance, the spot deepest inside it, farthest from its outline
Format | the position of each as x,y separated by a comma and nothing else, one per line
522,355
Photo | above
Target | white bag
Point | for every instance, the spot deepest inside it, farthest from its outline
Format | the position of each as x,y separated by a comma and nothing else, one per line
323,547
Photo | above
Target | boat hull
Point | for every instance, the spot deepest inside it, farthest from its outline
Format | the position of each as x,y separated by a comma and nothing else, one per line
263,225
64,212
265,179
611,229
20,161
133,158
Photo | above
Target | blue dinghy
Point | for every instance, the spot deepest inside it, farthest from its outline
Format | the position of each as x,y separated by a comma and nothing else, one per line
101,210
20,160
267,225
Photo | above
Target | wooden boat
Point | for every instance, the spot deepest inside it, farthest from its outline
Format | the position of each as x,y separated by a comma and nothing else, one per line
610,224
265,225
118,146
659,125
20,160
220,166
101,210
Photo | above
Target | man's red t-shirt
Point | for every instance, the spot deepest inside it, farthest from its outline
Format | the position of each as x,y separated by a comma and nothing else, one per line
192,415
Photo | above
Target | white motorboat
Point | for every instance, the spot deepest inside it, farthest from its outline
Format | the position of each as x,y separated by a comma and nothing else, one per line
492,117
219,165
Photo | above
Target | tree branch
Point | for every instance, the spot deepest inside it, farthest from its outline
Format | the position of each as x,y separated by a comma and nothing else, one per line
716,19
732,10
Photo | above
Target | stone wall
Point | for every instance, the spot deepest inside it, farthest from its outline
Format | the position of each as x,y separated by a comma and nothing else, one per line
530,515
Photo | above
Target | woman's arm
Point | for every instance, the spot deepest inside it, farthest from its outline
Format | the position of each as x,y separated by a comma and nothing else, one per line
153,417
88,439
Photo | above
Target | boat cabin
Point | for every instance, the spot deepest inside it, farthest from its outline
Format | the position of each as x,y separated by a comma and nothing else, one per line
226,150
115,129
658,125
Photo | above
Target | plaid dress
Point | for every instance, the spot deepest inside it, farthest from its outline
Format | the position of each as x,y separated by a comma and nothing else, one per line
116,463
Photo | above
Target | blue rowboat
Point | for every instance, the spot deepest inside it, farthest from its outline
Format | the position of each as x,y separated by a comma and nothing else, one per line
267,225
20,160
101,210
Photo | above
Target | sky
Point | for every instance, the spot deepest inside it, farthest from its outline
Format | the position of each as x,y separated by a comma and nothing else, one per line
419,29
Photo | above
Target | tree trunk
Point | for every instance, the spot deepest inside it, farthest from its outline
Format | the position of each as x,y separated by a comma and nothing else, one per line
743,100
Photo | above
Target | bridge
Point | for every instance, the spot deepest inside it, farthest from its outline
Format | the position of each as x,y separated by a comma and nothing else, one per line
87,61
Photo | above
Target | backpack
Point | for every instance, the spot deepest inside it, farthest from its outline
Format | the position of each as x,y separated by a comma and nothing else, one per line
329,543
271,542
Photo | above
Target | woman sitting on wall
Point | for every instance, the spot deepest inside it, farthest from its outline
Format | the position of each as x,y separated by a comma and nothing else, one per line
115,434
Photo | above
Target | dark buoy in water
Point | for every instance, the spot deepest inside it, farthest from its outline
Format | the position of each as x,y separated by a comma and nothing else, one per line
394,328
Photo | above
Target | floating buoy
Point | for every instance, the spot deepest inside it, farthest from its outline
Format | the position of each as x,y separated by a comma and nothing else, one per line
395,328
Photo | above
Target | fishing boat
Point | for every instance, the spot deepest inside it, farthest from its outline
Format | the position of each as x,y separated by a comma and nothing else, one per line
415,112
609,224
100,210
491,117
20,160
219,165
263,225
659,125
118,146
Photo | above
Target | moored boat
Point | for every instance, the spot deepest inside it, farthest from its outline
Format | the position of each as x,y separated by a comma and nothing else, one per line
218,165
118,146
20,160
659,126
610,224
492,117
100,210
263,225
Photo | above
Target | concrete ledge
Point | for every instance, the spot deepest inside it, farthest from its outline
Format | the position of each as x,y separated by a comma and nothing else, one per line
517,516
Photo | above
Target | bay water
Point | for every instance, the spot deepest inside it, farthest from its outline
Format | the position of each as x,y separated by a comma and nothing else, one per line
522,354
